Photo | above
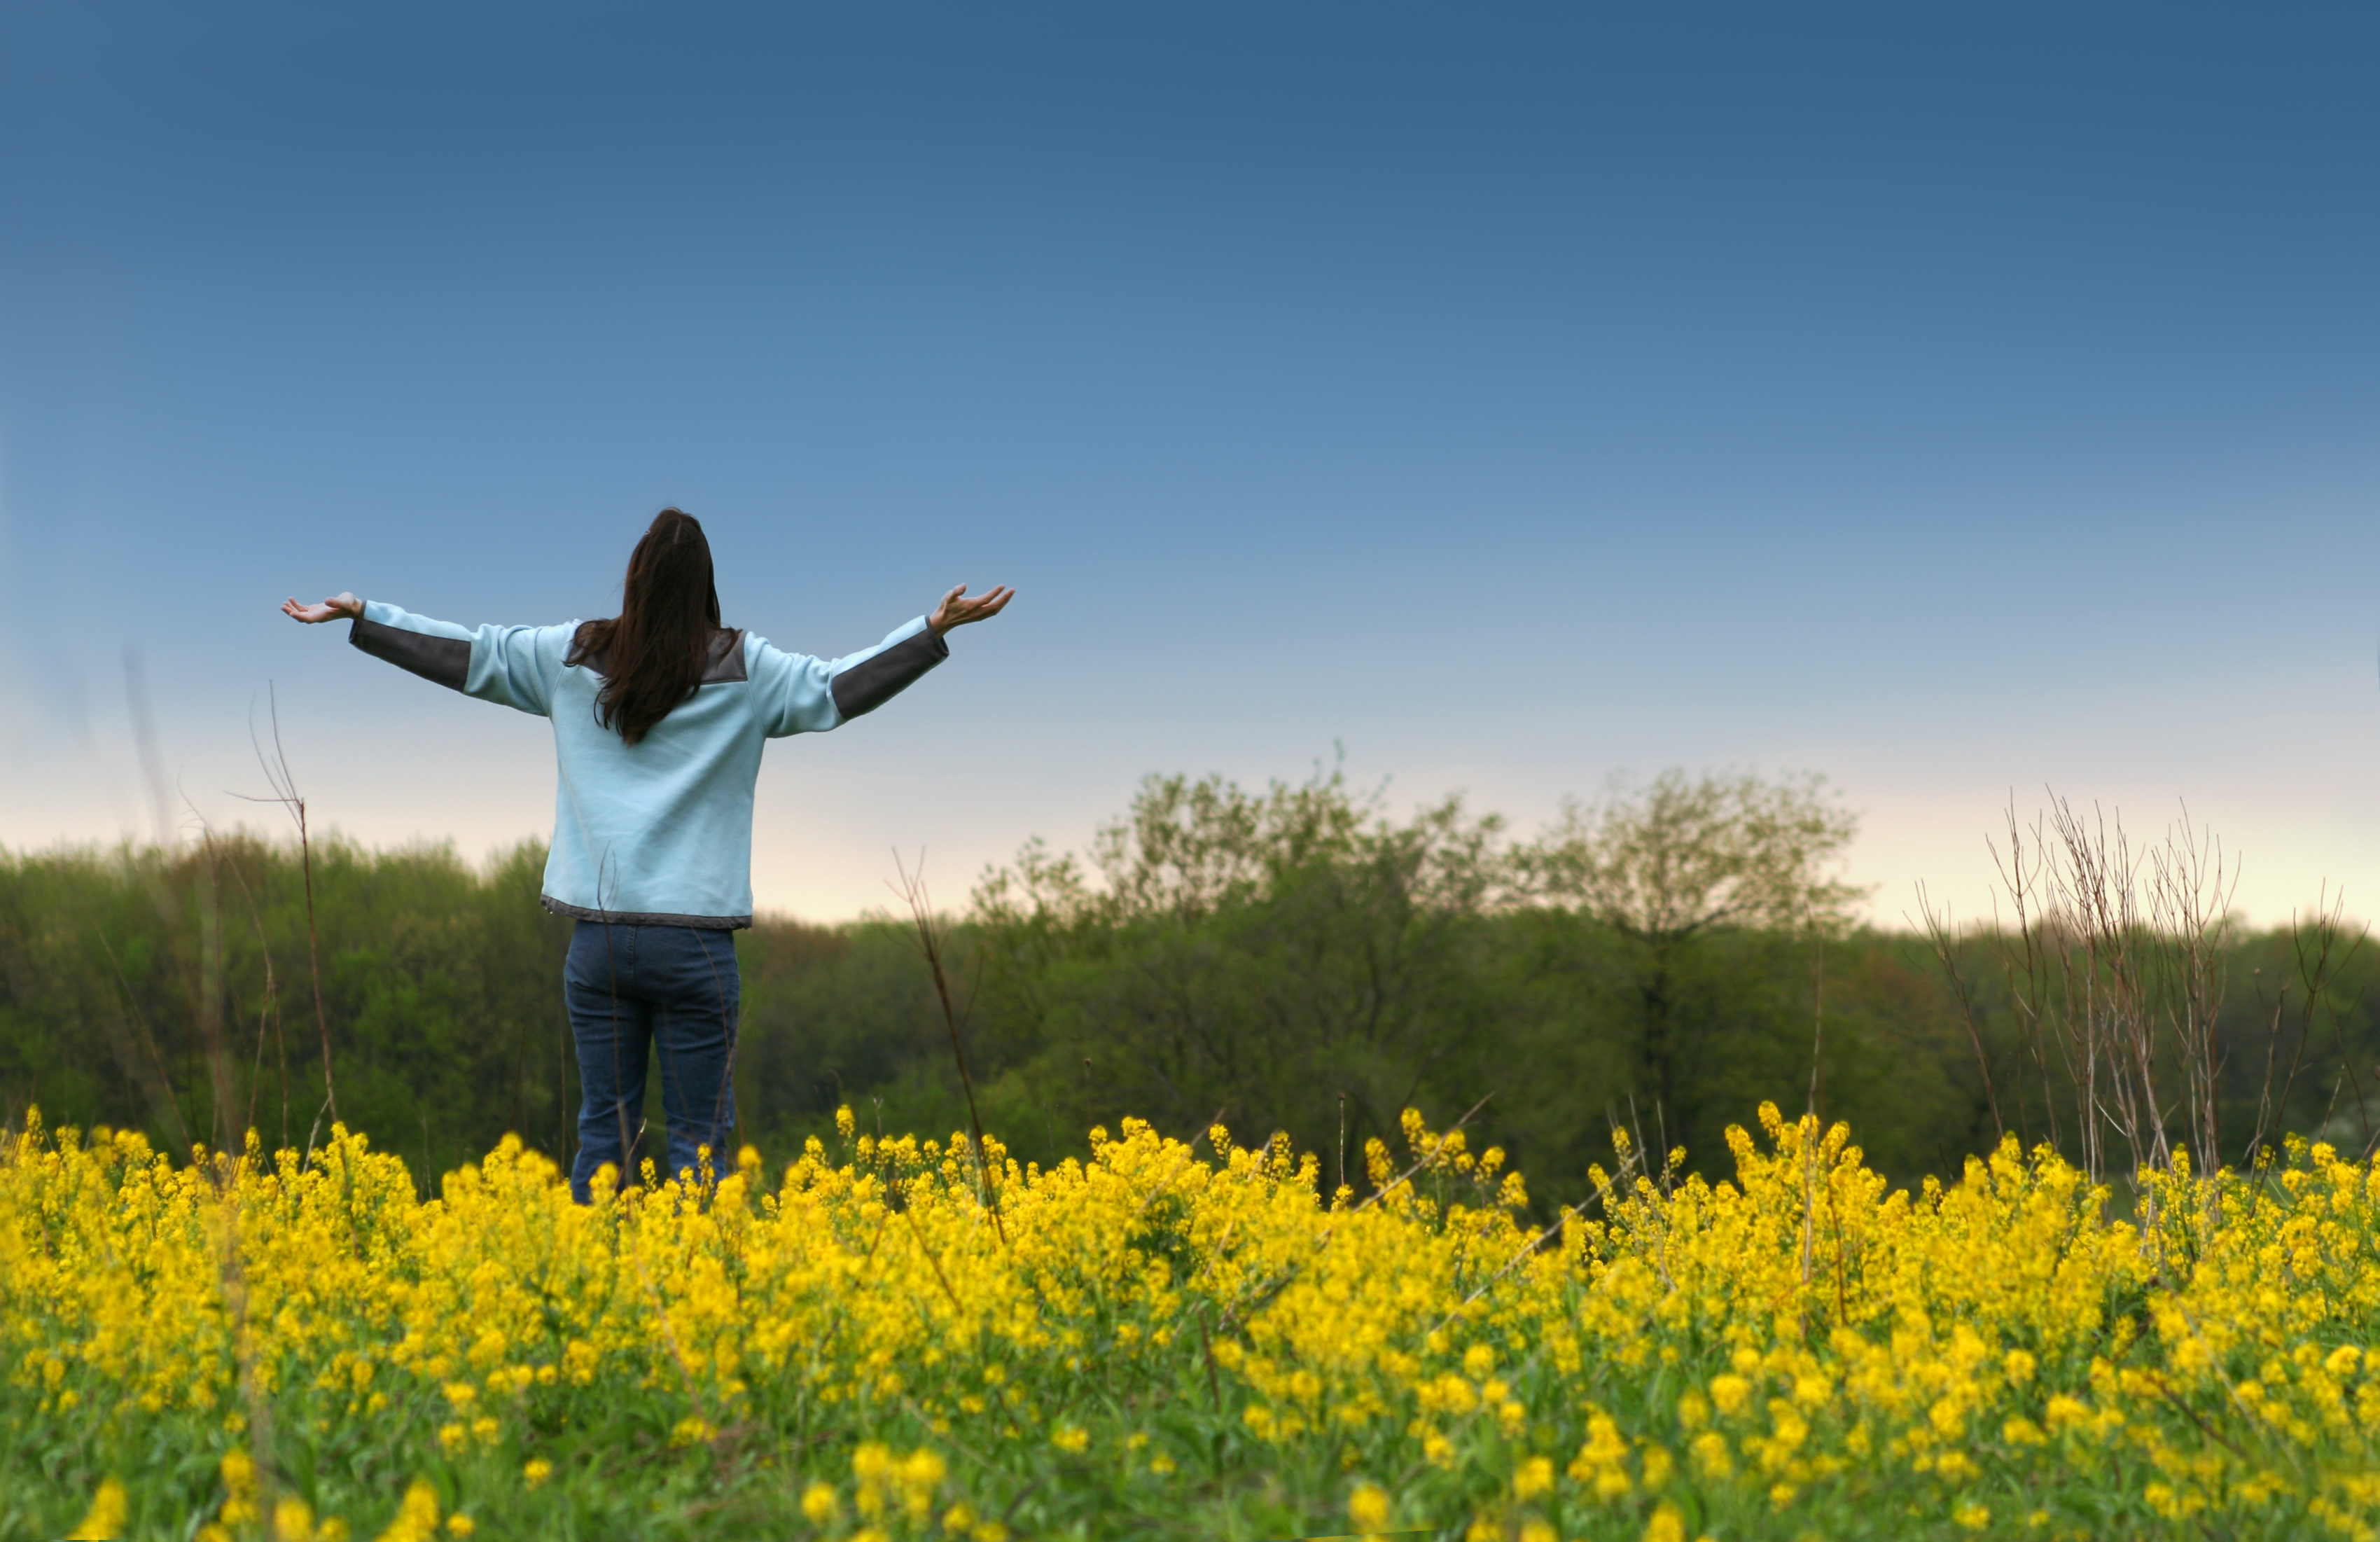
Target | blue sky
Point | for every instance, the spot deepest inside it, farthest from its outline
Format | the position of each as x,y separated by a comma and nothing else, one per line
1954,400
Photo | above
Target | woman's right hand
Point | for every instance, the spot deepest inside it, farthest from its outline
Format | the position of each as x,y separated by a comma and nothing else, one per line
337,606
954,611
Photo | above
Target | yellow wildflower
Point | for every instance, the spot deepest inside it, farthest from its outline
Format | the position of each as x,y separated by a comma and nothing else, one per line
105,1517
417,1517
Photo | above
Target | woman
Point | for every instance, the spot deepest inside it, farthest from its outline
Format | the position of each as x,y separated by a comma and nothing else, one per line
659,715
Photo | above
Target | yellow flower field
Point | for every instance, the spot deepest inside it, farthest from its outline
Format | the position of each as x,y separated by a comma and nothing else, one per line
1180,1340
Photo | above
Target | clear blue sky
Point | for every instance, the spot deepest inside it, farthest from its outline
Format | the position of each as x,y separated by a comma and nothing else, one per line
1950,399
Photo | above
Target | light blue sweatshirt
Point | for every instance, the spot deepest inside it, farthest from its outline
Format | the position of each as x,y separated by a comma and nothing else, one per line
657,833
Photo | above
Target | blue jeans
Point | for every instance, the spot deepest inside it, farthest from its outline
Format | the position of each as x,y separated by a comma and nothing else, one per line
675,988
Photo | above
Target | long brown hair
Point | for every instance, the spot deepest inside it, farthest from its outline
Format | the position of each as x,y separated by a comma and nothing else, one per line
654,654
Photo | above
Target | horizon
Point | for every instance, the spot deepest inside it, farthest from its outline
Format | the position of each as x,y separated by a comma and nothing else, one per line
1867,912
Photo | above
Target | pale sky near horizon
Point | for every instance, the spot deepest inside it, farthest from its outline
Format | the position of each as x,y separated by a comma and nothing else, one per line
1956,401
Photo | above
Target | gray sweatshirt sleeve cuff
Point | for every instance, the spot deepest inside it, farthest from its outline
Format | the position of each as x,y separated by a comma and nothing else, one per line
880,677
446,660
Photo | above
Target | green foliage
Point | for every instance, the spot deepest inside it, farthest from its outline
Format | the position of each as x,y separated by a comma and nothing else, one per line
1301,958
1663,864
1270,953
1257,954
170,993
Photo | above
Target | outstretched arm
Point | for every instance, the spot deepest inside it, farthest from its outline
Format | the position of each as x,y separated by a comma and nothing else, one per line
510,665
803,695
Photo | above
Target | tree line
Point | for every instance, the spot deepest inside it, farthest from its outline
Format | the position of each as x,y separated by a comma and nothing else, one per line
1298,958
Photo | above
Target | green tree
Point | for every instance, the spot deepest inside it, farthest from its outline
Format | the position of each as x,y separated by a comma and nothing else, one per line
1672,868
1268,954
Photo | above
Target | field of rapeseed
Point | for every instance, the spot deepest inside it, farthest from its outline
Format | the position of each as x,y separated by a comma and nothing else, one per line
1179,1341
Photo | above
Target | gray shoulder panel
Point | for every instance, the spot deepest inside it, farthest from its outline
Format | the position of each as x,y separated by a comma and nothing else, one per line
872,682
446,660
726,660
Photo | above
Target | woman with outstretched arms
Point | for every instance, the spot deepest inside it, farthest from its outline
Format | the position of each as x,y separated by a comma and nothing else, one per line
658,717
